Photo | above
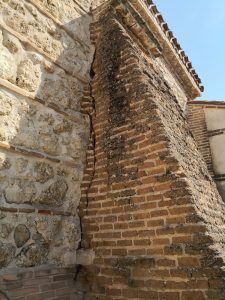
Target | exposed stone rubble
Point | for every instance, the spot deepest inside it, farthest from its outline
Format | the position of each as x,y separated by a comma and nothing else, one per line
45,59
25,19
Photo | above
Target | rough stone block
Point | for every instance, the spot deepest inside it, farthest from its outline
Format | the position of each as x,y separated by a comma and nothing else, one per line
35,127
71,15
32,72
25,19
35,240
44,184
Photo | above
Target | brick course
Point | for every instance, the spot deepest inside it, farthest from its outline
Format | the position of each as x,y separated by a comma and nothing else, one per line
197,123
40,284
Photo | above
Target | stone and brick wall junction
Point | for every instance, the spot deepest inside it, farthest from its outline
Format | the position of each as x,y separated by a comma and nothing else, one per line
149,210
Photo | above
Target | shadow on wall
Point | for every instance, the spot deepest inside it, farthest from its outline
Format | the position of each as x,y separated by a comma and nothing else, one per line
43,70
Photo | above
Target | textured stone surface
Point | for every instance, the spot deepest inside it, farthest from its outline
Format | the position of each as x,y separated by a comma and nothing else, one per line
45,60
55,194
5,230
26,180
33,255
71,14
19,191
34,73
44,172
7,69
38,128
7,252
39,239
25,19
21,235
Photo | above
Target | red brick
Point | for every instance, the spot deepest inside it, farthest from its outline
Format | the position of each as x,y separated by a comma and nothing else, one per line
148,295
136,224
175,220
131,233
146,233
164,262
136,252
188,262
141,216
124,243
155,251
182,239
142,242
119,252
121,226
130,293
155,223
63,292
161,241
217,283
159,213
165,231
113,292
193,295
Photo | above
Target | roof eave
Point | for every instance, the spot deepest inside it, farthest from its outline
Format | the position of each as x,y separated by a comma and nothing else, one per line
171,50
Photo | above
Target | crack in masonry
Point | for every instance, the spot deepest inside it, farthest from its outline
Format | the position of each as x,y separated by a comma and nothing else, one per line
93,142
92,131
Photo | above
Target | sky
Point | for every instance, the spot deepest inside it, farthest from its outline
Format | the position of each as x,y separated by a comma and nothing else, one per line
199,26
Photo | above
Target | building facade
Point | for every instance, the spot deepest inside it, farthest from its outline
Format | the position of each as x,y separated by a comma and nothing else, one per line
104,192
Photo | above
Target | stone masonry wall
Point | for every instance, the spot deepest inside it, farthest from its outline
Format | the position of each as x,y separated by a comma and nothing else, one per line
45,60
149,209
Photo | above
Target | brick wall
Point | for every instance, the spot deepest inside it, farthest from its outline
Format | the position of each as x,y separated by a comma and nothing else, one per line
40,284
197,123
149,209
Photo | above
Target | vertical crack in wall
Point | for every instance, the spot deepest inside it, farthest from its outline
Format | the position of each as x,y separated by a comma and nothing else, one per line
92,129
